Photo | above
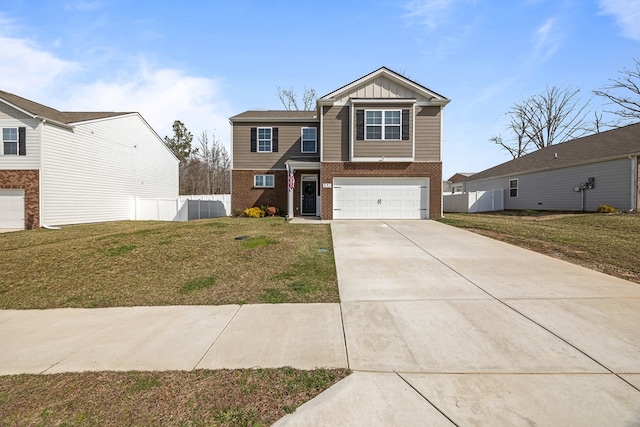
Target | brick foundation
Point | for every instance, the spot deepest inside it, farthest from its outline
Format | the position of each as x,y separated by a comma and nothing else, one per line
432,170
29,181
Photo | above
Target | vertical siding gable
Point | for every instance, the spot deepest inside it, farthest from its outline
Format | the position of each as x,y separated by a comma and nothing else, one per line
382,87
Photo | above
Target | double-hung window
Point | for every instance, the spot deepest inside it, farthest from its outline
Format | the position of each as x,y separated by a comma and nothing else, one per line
513,188
264,140
309,140
10,141
263,181
383,124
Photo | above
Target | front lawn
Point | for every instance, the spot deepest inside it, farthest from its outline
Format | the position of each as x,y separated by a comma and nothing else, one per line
605,242
206,262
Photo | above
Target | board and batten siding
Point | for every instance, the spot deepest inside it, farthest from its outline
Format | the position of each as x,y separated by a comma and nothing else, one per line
289,145
10,117
428,134
335,126
381,87
553,189
93,172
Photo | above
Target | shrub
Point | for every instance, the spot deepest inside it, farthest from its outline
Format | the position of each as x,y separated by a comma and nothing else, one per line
607,209
254,212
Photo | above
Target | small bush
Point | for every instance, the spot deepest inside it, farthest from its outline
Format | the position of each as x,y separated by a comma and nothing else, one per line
254,212
607,209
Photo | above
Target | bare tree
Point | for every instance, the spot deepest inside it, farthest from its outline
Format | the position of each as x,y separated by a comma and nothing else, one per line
213,165
551,117
289,98
624,94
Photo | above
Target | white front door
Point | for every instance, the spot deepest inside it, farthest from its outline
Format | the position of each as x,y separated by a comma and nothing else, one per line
380,198
12,209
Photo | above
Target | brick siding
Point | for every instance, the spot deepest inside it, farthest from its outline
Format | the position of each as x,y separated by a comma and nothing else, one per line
432,170
29,181
244,195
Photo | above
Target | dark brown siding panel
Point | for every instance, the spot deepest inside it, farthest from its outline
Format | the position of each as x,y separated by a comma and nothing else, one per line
428,134
336,134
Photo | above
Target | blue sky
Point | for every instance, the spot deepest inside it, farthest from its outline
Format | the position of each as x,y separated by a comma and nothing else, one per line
204,61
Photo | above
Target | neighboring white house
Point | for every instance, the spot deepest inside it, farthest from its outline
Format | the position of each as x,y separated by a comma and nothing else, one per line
578,175
61,168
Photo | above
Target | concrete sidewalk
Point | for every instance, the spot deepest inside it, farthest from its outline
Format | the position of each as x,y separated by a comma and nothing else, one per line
440,326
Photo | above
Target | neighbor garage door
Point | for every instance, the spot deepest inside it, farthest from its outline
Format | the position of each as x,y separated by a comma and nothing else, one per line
380,198
12,209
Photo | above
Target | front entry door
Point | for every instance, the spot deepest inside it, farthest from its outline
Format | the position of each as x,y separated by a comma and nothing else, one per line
309,191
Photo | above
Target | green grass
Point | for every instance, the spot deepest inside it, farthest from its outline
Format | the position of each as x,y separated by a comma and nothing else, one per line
166,263
246,397
604,242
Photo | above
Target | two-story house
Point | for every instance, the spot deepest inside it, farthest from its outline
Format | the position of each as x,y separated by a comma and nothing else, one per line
370,149
60,168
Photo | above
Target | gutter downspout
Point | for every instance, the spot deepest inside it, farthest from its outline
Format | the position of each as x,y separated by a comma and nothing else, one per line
40,180
634,183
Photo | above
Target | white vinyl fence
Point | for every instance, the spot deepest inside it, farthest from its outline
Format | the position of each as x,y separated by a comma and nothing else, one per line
475,201
184,208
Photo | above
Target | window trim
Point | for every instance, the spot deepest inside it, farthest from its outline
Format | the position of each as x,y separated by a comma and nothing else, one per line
383,125
513,188
258,139
17,141
264,181
315,139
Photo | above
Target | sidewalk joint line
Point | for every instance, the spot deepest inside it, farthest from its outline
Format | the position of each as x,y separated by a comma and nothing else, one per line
426,399
216,339
344,336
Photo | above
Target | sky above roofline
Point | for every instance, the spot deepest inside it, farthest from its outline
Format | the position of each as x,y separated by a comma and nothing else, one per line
204,62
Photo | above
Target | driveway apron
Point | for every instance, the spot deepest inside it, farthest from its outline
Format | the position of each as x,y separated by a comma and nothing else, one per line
482,332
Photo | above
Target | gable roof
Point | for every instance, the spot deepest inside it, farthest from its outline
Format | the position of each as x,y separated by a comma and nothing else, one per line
608,145
392,76
43,112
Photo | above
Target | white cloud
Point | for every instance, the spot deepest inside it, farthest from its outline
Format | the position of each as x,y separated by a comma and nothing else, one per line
27,70
626,13
84,5
546,40
429,12
160,96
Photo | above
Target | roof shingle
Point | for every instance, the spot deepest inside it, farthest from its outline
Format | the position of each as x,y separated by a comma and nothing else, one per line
611,144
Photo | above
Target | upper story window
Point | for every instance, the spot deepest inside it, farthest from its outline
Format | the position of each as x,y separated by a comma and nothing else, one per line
309,140
392,125
382,124
513,188
264,140
13,141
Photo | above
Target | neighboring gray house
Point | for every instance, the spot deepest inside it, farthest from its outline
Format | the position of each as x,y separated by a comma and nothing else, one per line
578,175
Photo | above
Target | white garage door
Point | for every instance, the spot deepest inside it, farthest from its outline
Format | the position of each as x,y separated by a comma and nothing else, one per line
12,209
380,198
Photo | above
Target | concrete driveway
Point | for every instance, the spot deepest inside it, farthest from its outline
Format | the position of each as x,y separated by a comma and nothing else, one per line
446,327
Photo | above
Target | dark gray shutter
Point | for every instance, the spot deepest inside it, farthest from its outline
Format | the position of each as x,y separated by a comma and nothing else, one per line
274,140
359,125
254,140
405,125
22,141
